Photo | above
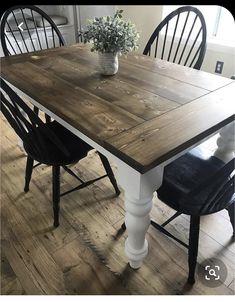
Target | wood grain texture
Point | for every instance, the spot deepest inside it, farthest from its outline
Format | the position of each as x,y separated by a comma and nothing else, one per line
130,97
145,114
191,76
85,255
172,132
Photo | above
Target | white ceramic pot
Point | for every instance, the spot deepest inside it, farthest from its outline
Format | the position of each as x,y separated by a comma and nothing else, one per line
108,63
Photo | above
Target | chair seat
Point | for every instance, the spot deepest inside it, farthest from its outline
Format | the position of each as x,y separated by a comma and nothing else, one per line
76,147
183,175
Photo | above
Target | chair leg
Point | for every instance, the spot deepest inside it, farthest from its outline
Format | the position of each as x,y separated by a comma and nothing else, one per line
47,118
28,173
193,247
231,213
171,218
109,172
123,226
35,109
56,193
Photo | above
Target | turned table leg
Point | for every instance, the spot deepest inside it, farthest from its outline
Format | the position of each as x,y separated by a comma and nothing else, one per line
138,189
137,221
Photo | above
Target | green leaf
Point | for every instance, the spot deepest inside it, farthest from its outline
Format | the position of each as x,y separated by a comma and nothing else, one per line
112,34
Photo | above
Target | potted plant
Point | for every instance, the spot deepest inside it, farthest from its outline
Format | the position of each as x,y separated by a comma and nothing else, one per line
111,36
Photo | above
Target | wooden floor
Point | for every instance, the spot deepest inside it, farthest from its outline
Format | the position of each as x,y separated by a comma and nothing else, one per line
85,255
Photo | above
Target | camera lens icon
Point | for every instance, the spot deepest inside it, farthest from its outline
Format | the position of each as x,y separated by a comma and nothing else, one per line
212,272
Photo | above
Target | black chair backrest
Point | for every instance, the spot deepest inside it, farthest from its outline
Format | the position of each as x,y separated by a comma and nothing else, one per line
39,30
80,36
180,38
28,126
218,189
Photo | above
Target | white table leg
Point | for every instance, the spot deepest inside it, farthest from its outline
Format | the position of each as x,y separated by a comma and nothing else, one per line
226,143
139,189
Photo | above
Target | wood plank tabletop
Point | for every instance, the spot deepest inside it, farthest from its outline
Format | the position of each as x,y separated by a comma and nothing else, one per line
145,114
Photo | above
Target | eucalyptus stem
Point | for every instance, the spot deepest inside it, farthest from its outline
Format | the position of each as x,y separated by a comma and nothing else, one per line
111,34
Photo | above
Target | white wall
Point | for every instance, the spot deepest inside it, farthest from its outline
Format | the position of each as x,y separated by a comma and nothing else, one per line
86,12
147,17
226,55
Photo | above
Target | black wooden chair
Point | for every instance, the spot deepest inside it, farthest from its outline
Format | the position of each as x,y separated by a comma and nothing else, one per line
38,32
47,143
180,38
80,36
196,184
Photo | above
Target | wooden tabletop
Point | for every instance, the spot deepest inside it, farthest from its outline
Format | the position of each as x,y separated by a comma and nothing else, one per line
145,114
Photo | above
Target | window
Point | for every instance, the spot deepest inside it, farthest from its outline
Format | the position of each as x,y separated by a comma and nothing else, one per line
219,21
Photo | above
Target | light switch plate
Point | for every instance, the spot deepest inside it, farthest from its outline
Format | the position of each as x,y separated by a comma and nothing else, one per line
219,67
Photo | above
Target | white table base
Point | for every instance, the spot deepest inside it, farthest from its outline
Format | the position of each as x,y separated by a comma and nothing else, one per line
139,188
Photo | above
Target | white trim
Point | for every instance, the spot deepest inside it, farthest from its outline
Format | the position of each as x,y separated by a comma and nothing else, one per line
217,20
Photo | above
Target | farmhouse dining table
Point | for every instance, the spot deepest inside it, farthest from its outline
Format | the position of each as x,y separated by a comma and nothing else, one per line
142,118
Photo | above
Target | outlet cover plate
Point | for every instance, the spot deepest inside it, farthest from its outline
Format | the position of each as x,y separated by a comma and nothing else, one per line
219,67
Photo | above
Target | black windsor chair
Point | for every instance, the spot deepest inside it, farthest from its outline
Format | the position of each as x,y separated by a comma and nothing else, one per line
196,184
180,38
47,143
26,28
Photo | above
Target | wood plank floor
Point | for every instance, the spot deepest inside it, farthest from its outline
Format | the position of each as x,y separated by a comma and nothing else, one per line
85,255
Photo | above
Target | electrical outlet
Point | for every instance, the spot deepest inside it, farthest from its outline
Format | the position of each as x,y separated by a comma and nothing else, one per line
219,67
